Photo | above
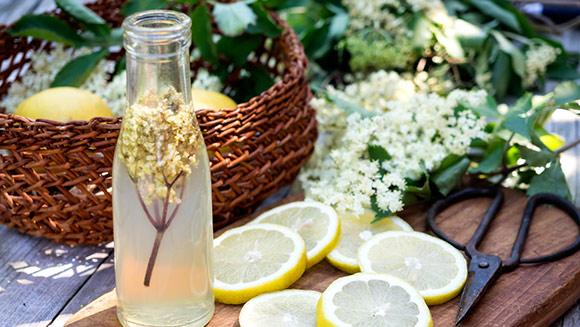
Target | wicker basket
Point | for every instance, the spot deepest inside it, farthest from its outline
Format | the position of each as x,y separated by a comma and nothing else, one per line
55,178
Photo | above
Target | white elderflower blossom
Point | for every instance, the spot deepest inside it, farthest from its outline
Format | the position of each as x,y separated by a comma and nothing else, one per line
423,128
205,81
538,57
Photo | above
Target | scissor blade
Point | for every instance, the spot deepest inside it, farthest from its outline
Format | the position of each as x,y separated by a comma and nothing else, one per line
483,270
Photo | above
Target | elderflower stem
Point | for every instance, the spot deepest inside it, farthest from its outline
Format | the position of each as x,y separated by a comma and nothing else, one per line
162,226
153,257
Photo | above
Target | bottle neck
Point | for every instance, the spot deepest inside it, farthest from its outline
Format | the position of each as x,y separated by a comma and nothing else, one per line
157,45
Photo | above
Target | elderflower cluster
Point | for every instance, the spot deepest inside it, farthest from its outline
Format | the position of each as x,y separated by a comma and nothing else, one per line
364,93
44,66
422,129
378,35
538,57
158,142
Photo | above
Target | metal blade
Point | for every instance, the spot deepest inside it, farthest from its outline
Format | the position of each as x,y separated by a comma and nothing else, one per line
483,270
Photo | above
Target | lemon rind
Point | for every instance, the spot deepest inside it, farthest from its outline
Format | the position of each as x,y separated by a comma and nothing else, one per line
431,296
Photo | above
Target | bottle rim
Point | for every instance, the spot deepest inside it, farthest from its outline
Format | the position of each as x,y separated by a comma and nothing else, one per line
157,26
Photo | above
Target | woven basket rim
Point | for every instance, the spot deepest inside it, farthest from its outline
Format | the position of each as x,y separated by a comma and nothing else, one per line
296,67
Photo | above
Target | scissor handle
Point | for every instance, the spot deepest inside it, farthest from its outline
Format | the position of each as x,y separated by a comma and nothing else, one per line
465,194
542,198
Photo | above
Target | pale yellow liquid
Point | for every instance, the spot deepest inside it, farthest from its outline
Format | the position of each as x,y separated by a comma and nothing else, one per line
181,288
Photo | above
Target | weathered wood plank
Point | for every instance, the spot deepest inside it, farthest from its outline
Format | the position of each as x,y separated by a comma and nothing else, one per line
38,277
99,283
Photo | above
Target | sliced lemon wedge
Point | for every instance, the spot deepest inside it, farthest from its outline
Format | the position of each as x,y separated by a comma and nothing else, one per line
354,231
256,259
372,300
434,267
316,223
296,308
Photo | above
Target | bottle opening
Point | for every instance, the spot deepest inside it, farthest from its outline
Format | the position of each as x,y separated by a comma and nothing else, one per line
158,27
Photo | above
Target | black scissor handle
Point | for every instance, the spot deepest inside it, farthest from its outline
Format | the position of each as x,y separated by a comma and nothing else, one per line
533,203
465,194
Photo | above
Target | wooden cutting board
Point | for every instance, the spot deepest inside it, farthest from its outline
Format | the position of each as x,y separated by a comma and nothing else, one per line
531,296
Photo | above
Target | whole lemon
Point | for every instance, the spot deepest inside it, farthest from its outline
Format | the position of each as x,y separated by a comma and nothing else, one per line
64,104
203,99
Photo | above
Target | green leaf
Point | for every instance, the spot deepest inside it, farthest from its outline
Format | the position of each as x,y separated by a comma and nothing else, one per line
551,180
233,18
274,3
79,12
257,81
117,36
86,17
120,66
349,107
417,192
316,41
134,6
46,27
264,23
522,125
523,20
470,35
523,105
519,120
566,92
518,58
536,158
492,158
562,71
449,175
487,109
380,214
377,152
501,73
201,34
239,48
494,11
75,72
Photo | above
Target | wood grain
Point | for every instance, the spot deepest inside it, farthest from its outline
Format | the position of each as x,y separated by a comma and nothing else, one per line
532,296
35,272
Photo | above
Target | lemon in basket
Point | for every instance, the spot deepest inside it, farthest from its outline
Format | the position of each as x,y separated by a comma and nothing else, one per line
64,104
204,99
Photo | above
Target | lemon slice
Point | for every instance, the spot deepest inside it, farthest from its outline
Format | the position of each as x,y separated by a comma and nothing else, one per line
296,308
354,231
255,259
316,222
435,268
379,300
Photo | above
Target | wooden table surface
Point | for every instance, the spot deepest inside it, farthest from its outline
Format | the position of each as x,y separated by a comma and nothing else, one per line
43,283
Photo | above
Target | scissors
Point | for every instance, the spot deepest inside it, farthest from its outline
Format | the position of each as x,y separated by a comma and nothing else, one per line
484,268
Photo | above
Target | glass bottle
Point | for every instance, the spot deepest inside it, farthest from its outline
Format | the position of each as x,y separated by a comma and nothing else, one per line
161,182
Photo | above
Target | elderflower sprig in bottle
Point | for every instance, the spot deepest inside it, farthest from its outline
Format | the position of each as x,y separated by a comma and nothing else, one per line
161,182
